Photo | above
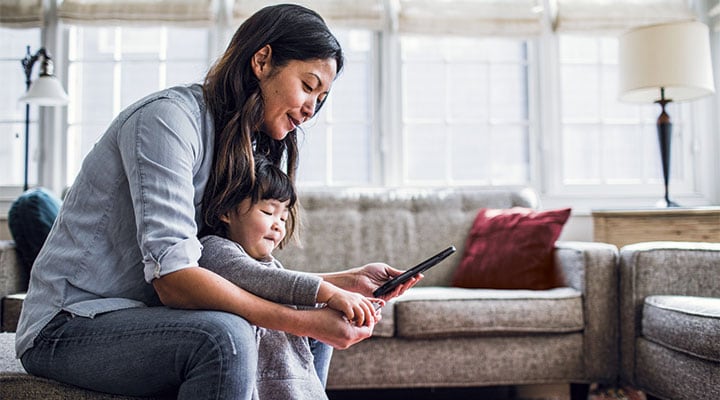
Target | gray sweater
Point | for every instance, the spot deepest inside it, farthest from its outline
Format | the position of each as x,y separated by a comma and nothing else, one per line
285,362
279,285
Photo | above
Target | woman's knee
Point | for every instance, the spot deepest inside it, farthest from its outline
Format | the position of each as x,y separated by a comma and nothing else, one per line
229,338
223,358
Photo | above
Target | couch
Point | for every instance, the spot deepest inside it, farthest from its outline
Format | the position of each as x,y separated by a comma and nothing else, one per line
436,335
670,319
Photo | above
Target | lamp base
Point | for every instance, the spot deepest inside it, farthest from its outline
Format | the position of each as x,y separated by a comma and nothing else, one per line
666,203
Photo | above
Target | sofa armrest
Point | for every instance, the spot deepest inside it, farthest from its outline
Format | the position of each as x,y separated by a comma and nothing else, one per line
591,268
13,277
661,268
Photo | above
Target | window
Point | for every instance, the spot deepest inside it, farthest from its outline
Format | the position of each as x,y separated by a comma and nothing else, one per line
112,67
465,111
338,147
606,143
13,47
411,108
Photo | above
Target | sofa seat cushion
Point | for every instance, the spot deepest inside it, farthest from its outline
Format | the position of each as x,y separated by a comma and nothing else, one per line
431,312
684,323
11,306
386,327
8,361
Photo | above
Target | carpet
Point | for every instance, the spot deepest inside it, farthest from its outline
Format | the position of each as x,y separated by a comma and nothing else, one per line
601,392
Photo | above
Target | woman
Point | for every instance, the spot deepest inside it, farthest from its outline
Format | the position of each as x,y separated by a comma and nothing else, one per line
117,301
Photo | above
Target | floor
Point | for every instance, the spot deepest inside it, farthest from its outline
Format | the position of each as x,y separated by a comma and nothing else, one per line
530,392
533,392
422,394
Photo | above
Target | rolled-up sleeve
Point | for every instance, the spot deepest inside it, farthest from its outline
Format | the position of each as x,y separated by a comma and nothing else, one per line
183,254
160,150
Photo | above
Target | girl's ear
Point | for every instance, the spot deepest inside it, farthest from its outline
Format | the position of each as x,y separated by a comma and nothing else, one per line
224,218
260,62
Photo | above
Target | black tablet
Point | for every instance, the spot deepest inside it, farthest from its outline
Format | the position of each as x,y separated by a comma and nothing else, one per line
388,286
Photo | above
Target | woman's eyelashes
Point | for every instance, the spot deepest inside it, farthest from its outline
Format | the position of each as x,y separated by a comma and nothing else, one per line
307,87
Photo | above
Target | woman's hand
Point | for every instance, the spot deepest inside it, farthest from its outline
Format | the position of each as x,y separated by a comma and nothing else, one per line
374,275
366,279
329,326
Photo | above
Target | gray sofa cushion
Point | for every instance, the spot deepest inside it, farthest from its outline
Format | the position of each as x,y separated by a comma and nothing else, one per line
433,312
8,362
684,323
11,306
670,374
13,277
386,327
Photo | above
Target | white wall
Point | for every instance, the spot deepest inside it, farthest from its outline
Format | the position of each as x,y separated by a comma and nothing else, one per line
578,228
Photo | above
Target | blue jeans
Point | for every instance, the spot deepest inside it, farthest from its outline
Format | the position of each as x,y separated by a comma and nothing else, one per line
322,353
152,351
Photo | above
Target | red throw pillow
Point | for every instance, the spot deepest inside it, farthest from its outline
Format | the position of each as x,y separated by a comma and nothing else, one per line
512,249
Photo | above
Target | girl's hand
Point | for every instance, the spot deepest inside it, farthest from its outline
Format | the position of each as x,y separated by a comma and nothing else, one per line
358,309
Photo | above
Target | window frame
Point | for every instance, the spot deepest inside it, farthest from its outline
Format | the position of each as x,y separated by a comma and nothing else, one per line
698,190
544,138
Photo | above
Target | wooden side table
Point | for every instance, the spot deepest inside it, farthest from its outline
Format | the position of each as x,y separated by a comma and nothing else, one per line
621,227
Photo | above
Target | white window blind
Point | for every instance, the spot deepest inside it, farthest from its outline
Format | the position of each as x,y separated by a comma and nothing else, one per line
471,17
182,12
465,116
111,67
362,14
21,13
607,16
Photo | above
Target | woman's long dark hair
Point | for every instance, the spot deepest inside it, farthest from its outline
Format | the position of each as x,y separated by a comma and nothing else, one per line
232,92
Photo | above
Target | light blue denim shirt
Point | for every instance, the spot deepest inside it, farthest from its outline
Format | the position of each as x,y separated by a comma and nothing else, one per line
132,214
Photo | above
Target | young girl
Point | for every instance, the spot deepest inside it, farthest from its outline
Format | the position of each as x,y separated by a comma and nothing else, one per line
118,301
241,250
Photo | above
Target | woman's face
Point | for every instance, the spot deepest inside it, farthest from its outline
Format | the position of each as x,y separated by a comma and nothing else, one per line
291,93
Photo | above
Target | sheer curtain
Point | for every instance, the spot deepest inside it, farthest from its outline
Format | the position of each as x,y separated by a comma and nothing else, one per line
182,12
617,16
21,13
364,14
456,17
471,17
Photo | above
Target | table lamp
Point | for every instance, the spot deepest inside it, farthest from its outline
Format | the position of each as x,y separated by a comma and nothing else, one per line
664,63
45,91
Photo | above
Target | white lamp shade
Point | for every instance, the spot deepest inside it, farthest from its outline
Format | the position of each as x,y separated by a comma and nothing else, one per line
673,56
46,91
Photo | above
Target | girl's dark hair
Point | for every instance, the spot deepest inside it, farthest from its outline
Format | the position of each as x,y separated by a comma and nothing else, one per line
232,92
270,183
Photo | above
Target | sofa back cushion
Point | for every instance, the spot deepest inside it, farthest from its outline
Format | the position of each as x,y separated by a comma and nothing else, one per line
343,229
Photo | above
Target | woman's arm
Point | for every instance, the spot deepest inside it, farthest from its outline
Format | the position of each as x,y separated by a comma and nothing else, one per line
199,288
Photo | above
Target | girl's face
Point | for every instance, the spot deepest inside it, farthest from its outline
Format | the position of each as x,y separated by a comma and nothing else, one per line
258,228
291,93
